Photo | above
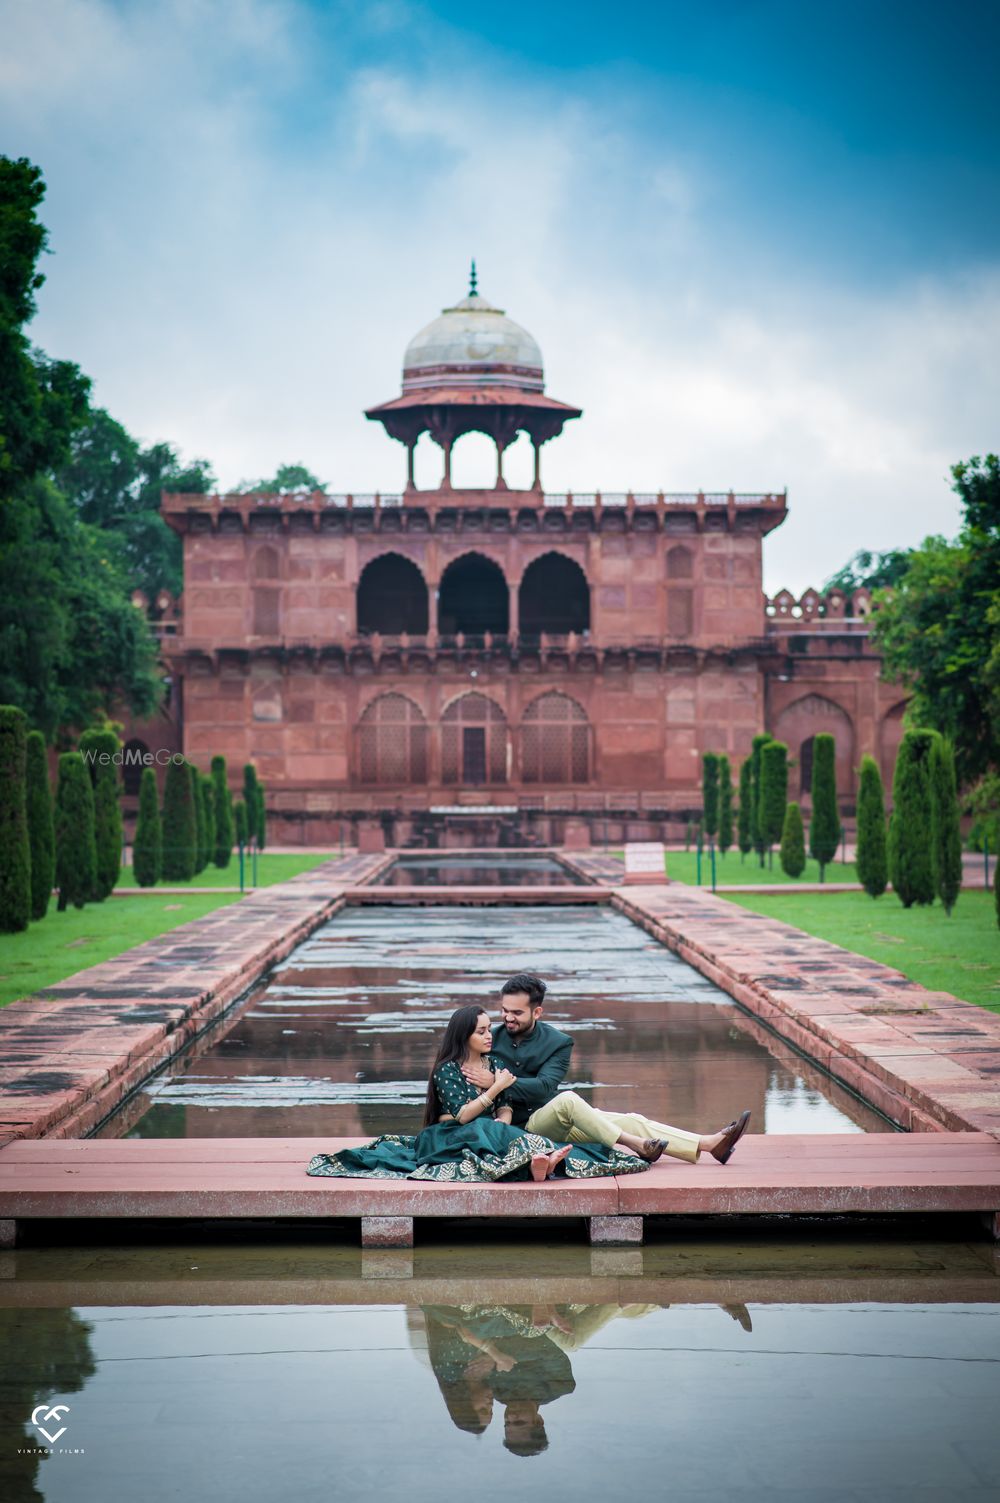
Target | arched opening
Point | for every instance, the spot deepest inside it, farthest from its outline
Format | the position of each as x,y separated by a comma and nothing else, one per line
473,742
473,462
134,753
680,592
473,597
392,597
801,722
554,596
392,742
266,595
266,563
555,741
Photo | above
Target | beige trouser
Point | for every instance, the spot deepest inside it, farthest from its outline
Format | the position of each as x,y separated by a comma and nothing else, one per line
567,1118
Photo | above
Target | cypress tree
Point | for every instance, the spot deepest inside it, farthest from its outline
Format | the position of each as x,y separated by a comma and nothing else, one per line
744,825
871,858
824,828
710,793
179,826
147,848
773,790
946,824
15,845
996,886
250,794
756,829
198,798
793,842
76,839
240,821
99,748
223,803
208,795
725,804
261,831
41,828
911,839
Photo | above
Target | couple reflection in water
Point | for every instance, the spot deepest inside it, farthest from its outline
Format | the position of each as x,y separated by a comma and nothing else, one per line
495,1111
517,1357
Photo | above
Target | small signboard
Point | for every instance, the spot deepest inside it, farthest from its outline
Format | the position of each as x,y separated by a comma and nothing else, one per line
645,862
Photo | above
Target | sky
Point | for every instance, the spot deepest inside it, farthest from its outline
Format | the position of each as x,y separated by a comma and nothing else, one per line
757,241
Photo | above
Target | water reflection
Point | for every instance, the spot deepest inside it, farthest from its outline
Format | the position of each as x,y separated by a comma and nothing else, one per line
826,1369
479,871
339,1042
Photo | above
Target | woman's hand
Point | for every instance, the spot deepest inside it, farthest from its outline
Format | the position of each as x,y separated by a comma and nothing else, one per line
503,1079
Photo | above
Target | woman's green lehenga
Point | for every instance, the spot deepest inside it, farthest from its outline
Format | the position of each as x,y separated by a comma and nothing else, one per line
481,1150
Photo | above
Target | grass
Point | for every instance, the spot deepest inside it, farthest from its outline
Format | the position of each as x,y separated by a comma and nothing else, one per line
682,866
271,868
960,954
61,944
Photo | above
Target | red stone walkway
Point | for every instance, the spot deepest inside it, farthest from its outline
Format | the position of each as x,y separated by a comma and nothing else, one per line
927,1060
833,1174
71,1053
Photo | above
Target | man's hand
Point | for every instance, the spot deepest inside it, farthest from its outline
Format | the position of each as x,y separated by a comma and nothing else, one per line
479,1076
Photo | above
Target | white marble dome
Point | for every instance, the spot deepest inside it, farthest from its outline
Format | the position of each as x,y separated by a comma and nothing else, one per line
472,344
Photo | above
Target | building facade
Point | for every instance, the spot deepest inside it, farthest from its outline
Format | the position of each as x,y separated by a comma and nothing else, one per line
452,666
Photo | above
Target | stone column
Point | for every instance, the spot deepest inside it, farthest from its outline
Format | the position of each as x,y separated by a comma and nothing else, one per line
537,482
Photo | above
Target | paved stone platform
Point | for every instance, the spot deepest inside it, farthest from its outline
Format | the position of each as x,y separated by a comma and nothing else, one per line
928,1061
771,1175
71,1053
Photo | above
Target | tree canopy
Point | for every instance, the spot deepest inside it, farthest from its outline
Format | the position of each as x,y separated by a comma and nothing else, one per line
287,477
939,627
868,570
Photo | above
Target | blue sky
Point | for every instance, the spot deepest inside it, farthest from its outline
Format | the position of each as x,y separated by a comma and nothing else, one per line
759,243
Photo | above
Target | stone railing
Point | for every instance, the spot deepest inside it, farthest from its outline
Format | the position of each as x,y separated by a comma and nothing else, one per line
379,500
813,609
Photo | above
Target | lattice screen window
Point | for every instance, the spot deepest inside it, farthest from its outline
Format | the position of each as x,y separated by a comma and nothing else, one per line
555,741
473,741
392,741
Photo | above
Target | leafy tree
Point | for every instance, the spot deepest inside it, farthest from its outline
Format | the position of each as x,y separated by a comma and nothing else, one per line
41,828
946,824
98,748
744,826
288,477
76,842
710,793
756,830
982,801
725,804
223,813
911,841
179,823
872,857
939,630
793,842
147,848
15,846
872,571
773,790
824,827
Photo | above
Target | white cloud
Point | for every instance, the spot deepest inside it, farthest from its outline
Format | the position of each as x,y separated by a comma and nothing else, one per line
249,225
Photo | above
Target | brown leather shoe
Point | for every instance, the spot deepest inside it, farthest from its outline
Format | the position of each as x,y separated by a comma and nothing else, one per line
723,1151
652,1149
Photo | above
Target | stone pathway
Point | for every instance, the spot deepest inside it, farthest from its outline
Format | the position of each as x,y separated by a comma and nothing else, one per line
72,1052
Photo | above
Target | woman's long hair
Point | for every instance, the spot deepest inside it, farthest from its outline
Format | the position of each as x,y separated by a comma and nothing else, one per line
454,1046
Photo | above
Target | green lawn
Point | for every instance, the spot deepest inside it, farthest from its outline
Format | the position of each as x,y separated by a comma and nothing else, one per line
960,954
682,866
270,868
62,943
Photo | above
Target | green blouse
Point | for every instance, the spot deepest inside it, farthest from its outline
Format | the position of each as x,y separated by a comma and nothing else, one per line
454,1091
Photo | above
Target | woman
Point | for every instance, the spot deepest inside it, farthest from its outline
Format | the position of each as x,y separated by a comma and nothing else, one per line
467,1133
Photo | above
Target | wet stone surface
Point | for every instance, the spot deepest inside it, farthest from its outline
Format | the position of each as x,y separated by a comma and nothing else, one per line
340,1040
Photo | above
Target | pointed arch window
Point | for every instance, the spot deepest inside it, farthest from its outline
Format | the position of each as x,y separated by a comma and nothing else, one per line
555,741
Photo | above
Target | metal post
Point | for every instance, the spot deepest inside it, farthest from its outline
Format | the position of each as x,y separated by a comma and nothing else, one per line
697,878
253,847
242,887
986,860
711,848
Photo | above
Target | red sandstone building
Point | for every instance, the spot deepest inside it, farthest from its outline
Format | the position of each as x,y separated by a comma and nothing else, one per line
556,662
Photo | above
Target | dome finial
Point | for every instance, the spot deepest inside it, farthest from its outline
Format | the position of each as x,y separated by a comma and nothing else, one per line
473,281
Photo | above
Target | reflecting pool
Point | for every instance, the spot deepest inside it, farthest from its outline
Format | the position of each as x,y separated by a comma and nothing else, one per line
494,870
340,1039
313,1372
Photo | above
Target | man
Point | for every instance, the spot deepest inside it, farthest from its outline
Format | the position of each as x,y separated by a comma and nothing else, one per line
539,1056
